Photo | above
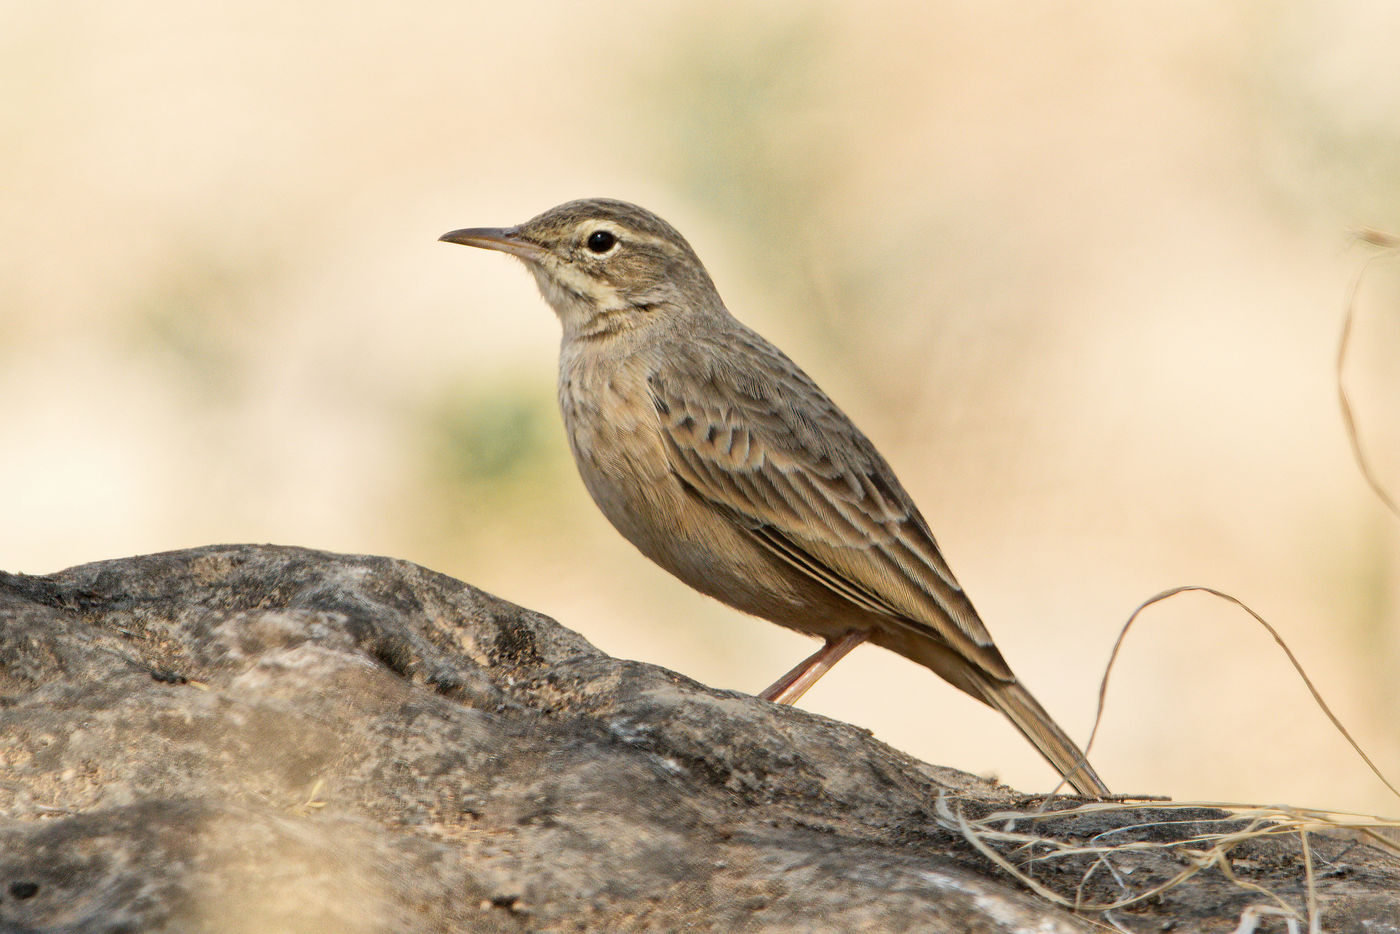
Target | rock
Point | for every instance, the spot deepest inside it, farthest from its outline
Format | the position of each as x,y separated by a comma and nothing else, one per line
257,738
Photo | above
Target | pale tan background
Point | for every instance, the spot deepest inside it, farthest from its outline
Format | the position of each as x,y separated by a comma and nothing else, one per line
1077,269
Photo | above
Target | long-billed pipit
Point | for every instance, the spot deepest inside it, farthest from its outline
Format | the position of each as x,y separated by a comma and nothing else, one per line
724,463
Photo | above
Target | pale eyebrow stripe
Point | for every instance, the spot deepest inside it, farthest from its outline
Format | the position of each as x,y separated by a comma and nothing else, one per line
631,234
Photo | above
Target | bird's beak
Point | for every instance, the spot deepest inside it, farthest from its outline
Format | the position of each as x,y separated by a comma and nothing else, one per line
505,239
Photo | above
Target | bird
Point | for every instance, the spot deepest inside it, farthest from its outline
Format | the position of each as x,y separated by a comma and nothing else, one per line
723,462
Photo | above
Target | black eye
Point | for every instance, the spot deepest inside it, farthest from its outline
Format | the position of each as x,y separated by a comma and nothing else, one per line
600,241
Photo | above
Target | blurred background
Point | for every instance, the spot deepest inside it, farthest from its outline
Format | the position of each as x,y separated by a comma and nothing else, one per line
1078,270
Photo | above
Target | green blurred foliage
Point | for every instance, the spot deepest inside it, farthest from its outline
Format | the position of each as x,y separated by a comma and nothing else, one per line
493,473
198,318
763,142
1326,137
738,120
489,436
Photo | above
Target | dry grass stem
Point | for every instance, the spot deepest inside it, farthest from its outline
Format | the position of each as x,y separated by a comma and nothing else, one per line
1023,851
1292,659
1390,248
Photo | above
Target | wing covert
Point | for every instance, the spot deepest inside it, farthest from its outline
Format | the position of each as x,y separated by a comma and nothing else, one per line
769,451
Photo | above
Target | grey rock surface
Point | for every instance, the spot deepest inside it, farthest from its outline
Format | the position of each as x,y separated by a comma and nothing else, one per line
259,738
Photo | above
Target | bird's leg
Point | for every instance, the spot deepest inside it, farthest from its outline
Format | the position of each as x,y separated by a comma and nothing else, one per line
791,686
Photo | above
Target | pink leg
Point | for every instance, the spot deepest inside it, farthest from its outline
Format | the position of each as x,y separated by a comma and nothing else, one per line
791,686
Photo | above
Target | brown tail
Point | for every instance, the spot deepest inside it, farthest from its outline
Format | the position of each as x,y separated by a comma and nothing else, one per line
1031,719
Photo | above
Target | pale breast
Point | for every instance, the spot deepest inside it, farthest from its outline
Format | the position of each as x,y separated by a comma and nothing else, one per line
613,431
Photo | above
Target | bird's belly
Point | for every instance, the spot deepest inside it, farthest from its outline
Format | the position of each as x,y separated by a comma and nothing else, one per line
624,466
626,472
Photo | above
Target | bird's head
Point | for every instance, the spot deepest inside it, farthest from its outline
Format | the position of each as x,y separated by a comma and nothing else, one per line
603,265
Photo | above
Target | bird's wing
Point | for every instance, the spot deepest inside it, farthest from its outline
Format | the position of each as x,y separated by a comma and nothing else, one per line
757,440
